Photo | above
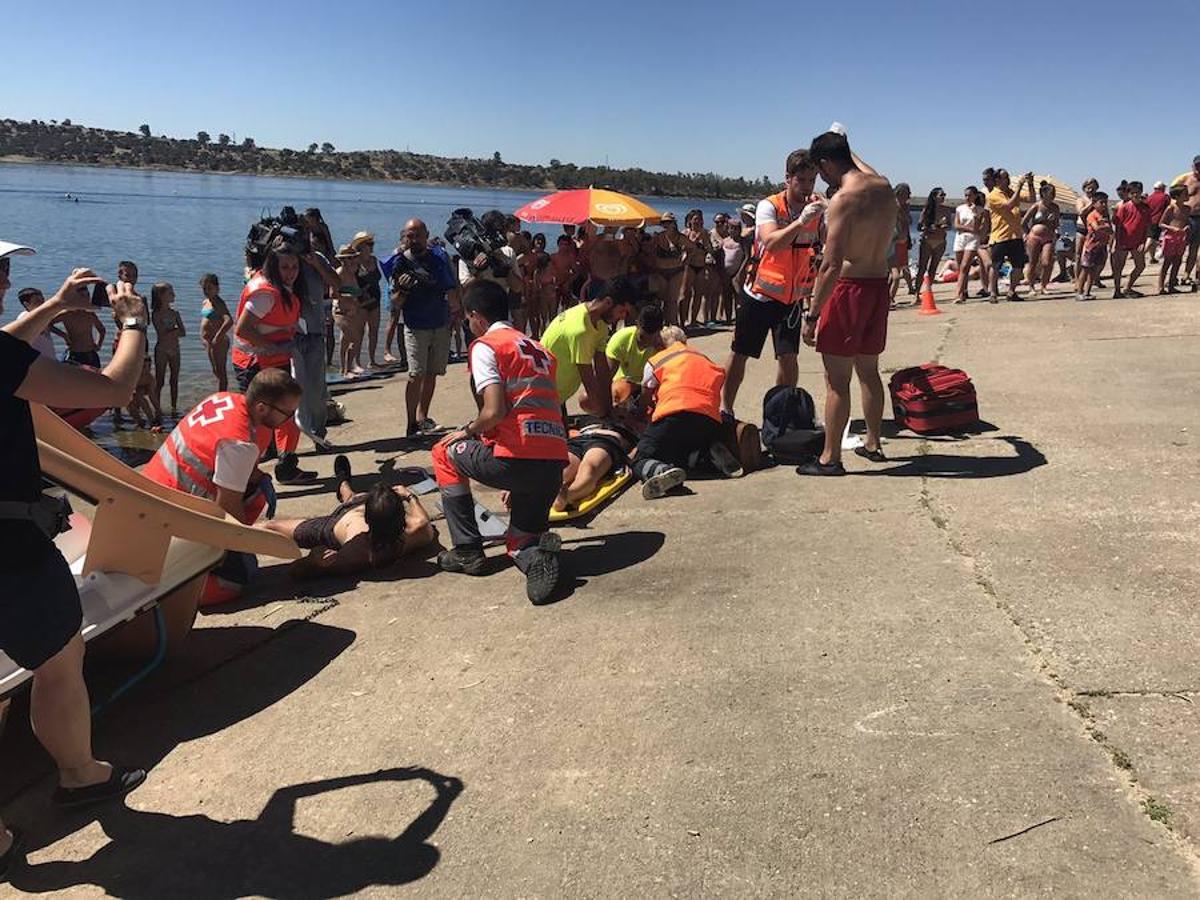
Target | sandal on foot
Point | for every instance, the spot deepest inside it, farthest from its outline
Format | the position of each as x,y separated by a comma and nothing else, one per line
120,782
875,456
816,467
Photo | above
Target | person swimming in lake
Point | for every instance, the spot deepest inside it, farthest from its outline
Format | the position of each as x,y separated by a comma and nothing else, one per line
366,530
215,323
168,325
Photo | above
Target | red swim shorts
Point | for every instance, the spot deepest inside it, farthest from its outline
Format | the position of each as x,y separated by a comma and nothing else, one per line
854,320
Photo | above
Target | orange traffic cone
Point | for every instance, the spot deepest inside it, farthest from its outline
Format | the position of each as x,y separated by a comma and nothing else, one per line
928,304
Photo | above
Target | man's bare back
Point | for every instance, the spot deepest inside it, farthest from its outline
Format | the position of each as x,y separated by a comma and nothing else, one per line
862,219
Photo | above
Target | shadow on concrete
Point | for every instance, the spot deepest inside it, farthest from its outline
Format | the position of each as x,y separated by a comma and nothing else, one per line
398,444
153,855
946,465
222,676
586,557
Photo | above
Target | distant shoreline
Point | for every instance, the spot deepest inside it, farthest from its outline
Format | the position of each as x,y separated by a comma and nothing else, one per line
18,160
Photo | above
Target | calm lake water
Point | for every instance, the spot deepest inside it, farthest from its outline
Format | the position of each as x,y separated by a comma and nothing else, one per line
177,226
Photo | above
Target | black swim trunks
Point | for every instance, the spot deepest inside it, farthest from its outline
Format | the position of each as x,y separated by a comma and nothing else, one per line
318,531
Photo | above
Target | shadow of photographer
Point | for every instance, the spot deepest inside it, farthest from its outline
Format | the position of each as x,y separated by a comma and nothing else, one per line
152,855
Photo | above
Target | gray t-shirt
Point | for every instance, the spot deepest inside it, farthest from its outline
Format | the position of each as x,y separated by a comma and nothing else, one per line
313,313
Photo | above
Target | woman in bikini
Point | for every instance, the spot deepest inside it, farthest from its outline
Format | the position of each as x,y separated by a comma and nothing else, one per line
968,225
370,277
669,249
215,322
365,530
348,314
168,325
933,226
699,289
1041,223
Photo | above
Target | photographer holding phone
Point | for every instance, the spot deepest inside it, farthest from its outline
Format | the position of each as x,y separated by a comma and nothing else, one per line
40,614
420,277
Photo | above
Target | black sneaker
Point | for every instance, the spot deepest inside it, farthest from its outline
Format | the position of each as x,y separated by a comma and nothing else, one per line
468,560
341,468
120,782
428,425
412,430
541,577
289,472
816,467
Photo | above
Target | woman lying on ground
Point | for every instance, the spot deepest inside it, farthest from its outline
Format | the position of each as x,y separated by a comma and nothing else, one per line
365,530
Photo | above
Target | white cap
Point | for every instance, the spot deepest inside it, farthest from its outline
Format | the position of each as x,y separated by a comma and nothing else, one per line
1159,184
10,249
837,128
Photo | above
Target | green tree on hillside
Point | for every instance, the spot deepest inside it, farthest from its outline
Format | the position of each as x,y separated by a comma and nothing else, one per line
145,130
223,140
202,137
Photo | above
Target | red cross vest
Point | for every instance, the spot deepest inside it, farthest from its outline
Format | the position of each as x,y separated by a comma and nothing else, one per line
278,326
187,460
785,274
533,427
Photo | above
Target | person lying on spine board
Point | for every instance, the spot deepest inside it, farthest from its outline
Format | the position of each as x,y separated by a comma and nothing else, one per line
365,530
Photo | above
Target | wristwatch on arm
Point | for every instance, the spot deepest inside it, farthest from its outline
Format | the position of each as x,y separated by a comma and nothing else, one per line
134,323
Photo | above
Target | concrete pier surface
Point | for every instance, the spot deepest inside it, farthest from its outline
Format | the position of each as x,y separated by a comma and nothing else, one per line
970,671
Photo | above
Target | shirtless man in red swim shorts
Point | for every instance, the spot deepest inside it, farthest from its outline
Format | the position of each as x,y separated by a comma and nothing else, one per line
847,319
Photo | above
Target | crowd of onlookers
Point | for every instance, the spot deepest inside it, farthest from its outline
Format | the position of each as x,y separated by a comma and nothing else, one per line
1002,232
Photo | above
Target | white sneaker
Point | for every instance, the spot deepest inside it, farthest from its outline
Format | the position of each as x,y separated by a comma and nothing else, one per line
727,464
657,485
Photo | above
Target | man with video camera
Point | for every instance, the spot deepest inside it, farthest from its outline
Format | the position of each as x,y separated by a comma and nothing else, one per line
420,276
485,255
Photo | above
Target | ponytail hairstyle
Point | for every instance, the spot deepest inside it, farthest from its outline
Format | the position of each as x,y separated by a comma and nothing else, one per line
1046,191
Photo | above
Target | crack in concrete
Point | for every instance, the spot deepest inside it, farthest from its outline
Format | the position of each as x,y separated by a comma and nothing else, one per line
1074,700
1174,694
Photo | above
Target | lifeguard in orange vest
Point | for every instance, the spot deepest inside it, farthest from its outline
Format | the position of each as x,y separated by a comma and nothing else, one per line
685,421
517,442
780,277
265,327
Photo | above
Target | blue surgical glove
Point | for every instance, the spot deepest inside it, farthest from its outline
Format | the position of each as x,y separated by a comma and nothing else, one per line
266,487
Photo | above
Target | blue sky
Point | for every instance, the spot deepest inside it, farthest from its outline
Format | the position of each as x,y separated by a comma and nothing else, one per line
930,92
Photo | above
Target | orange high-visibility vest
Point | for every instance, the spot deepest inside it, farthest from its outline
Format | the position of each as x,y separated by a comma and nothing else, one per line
187,460
533,427
279,325
782,275
688,381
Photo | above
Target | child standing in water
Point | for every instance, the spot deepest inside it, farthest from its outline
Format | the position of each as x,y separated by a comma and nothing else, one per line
215,322
168,324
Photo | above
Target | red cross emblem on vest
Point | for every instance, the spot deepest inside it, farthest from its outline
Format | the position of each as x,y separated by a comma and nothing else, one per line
535,354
